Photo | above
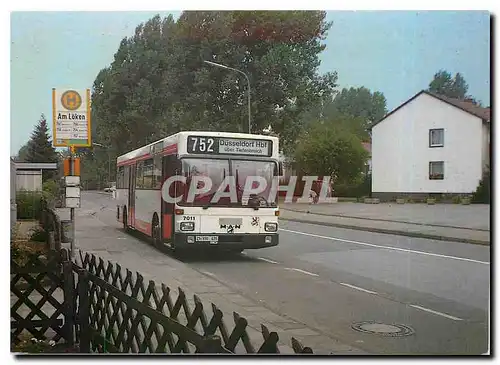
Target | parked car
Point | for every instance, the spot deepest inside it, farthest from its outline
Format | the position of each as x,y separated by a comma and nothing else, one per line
110,189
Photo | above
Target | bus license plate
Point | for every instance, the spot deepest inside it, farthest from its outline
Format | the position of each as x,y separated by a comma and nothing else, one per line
211,239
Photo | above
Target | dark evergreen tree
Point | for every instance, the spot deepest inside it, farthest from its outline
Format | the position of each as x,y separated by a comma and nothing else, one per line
40,148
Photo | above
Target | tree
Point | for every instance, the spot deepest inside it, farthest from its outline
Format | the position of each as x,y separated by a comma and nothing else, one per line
360,102
40,147
456,87
22,154
158,83
330,150
354,108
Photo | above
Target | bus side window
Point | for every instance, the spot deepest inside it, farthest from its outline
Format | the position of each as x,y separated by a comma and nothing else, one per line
147,174
119,177
138,175
126,177
157,172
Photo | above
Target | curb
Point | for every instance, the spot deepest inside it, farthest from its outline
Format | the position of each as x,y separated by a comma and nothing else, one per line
385,220
391,231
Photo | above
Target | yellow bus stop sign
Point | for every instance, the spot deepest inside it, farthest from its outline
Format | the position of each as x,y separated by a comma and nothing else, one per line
71,100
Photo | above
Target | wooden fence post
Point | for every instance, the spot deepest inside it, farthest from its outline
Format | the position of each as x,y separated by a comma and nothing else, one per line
69,292
211,344
51,239
84,311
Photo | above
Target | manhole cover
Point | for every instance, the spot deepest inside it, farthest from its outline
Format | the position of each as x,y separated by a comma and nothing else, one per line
383,329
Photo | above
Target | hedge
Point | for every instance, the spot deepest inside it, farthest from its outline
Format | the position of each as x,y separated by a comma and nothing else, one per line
30,204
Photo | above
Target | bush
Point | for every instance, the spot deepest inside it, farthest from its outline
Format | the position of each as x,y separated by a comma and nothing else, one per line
30,204
21,251
50,189
362,189
39,235
482,194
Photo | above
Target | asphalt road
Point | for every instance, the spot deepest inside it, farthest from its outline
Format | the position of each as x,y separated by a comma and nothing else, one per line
331,278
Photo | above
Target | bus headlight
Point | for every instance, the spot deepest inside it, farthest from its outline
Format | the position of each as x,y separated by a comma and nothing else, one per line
187,226
271,227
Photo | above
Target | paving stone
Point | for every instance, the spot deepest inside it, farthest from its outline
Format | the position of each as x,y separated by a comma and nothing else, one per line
267,316
222,290
304,331
287,325
286,349
240,300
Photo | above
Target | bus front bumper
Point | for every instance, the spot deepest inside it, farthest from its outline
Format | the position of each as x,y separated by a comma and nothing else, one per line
226,241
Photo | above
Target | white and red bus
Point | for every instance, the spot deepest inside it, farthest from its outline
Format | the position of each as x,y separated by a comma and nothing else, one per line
146,174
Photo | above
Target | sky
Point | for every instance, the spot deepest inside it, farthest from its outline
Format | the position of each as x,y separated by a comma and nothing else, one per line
394,52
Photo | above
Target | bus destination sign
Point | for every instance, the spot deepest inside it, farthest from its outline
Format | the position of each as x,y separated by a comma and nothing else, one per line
229,146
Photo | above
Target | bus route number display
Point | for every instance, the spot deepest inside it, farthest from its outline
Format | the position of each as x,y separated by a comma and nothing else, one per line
229,146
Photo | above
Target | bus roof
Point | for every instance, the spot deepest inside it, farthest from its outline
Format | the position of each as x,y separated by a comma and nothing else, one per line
174,139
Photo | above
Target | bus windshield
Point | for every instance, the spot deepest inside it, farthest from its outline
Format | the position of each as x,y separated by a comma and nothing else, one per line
218,169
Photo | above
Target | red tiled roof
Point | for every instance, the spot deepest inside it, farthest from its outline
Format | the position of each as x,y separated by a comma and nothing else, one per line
468,106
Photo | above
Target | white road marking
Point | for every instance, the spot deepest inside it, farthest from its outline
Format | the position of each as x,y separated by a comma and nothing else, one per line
302,271
388,247
436,312
358,288
266,260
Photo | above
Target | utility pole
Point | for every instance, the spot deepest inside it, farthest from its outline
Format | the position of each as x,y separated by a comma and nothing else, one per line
248,89
109,158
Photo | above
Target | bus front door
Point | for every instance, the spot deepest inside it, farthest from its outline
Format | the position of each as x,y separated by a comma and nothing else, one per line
131,197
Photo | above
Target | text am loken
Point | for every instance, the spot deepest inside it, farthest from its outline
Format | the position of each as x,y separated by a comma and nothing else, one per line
72,116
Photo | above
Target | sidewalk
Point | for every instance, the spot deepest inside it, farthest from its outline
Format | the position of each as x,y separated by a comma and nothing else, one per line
445,222
104,240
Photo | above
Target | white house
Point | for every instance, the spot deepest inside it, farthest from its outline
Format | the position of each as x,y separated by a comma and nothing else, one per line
430,144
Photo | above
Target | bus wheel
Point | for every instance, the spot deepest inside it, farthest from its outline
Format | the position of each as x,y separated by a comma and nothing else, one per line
156,233
125,220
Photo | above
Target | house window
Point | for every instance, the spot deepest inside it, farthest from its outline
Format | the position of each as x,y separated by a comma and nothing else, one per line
436,170
436,137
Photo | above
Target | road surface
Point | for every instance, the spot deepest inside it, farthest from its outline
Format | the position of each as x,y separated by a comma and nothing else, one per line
332,279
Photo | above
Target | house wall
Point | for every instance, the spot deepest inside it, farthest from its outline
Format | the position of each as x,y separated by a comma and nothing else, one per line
30,180
486,145
401,153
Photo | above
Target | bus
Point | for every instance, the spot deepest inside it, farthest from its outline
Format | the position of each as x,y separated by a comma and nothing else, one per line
182,221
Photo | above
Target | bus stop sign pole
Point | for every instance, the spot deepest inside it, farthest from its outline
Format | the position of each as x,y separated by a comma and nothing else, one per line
72,212
72,192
